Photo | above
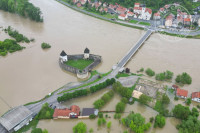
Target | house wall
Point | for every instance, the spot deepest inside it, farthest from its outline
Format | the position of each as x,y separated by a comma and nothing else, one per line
196,99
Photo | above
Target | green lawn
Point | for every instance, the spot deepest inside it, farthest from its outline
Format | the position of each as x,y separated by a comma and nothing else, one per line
122,75
144,23
133,21
79,64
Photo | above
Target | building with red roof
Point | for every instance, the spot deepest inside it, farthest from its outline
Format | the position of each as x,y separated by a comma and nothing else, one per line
122,16
187,21
73,112
162,9
181,93
137,5
156,16
196,96
129,13
121,10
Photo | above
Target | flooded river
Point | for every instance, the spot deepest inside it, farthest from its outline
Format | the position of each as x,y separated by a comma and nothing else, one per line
31,74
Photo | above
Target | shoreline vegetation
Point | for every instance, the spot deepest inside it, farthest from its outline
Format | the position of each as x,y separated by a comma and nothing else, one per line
106,17
23,8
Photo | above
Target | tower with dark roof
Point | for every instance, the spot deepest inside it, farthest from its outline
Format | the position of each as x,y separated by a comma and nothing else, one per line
63,56
86,53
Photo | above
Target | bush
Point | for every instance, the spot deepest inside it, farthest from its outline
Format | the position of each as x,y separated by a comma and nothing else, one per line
120,107
92,116
100,114
142,69
144,99
117,116
151,119
184,78
46,112
188,101
36,130
150,72
80,128
159,121
176,98
165,99
45,45
109,124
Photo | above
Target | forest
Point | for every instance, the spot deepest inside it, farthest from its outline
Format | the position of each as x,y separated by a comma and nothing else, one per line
23,8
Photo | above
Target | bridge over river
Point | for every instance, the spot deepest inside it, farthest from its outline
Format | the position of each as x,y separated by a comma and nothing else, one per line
35,108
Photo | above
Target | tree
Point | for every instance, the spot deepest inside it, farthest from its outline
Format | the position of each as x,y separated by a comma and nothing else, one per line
165,99
80,128
45,45
144,99
120,107
151,119
109,124
188,101
159,121
184,78
99,122
91,130
181,112
150,72
45,131
99,103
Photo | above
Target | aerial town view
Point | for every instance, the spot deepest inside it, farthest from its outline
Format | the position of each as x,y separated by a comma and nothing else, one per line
99,66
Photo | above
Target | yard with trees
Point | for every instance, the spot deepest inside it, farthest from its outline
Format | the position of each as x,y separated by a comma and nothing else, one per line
136,123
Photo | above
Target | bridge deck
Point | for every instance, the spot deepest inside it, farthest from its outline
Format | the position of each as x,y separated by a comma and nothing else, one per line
134,49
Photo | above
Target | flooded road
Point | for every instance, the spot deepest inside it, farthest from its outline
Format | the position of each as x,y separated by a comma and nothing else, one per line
31,74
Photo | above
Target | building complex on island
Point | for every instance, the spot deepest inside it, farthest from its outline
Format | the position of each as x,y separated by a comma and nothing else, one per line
94,60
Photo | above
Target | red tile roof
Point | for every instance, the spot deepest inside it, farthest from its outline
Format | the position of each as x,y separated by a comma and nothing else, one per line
196,95
148,10
187,19
66,112
157,14
181,92
137,8
137,3
123,15
131,13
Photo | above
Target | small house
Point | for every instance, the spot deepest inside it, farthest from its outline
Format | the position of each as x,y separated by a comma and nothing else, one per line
63,56
196,96
181,93
122,16
156,16
187,21
86,53
86,112
136,94
129,13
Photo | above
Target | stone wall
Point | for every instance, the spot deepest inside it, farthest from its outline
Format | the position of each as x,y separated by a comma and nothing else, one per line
96,58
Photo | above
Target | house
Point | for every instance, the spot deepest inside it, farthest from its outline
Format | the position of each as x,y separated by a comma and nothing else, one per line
146,13
122,16
181,93
78,4
187,21
137,5
66,113
156,16
86,112
129,13
105,10
196,96
175,87
83,2
121,10
63,56
168,21
86,53
136,94
137,10
162,10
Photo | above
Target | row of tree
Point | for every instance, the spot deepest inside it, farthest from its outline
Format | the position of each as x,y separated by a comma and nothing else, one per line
84,92
104,99
9,45
15,34
123,91
23,8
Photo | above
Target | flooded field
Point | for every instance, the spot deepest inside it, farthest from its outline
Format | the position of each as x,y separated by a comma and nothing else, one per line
64,126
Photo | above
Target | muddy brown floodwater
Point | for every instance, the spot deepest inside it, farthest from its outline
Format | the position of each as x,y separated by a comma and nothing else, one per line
31,74
65,126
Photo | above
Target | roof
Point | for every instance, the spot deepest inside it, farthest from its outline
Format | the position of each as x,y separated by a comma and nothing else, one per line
66,111
121,9
136,94
86,50
14,117
181,92
137,8
122,15
196,95
131,13
157,14
175,86
187,19
148,10
137,3
162,9
87,111
63,52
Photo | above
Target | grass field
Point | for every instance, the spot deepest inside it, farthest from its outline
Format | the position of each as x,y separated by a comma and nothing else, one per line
144,23
79,64
133,21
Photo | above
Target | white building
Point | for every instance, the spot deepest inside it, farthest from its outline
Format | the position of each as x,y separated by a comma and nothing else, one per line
86,53
143,12
196,96
63,56
122,16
